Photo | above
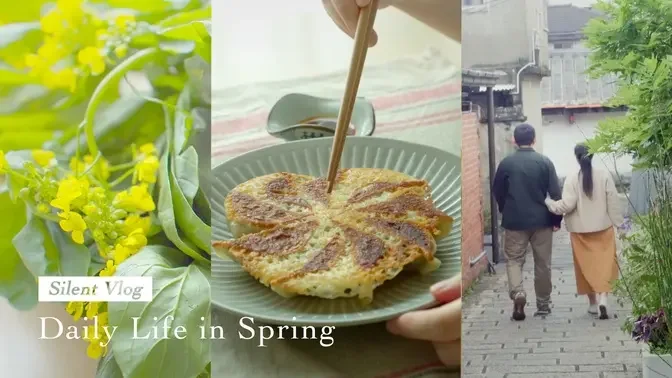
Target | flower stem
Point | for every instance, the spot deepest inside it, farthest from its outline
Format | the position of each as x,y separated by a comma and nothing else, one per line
17,174
122,178
109,81
120,167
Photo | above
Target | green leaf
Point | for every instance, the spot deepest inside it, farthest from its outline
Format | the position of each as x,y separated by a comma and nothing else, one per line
108,368
181,298
15,32
193,227
166,214
199,73
34,121
186,17
19,39
16,160
22,97
11,77
178,47
48,251
17,284
150,6
196,32
128,120
183,121
202,207
97,261
186,173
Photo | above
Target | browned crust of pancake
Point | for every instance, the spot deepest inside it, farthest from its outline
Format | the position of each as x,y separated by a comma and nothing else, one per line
359,222
244,208
325,259
284,189
378,188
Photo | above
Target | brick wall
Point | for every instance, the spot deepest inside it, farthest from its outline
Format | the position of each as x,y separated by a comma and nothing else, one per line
472,199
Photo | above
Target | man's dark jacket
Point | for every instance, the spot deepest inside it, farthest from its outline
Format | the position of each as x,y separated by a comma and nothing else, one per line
522,183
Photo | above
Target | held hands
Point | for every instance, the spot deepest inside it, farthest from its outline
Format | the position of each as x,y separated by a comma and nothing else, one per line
346,12
440,325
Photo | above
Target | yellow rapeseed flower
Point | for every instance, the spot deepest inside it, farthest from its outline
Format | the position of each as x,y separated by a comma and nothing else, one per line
92,309
121,51
134,222
96,339
91,58
4,166
136,198
148,149
65,78
76,309
36,64
147,168
69,189
74,223
42,157
71,11
52,23
103,319
101,37
135,240
50,51
124,22
101,169
109,269
121,253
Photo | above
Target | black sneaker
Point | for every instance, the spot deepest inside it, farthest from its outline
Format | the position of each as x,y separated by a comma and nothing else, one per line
543,311
519,303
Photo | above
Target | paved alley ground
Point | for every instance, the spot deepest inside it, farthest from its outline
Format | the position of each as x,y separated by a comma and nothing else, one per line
568,343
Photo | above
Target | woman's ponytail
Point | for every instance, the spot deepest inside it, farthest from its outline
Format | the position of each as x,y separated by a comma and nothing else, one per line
586,163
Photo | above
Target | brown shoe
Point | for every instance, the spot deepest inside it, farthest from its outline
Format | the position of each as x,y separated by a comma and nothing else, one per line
519,302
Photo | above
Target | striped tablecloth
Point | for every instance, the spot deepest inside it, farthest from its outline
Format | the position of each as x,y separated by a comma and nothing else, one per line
415,99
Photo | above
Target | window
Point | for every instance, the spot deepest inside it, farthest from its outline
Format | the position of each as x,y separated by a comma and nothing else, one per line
564,45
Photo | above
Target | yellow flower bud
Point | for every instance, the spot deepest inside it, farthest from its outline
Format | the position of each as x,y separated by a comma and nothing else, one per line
43,208
121,51
89,209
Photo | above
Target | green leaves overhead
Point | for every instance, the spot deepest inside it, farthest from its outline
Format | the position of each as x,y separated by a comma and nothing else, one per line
634,41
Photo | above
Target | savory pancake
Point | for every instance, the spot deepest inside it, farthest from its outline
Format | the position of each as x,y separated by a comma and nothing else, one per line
298,240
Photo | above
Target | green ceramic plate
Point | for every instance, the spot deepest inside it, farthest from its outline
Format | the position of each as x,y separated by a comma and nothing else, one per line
235,291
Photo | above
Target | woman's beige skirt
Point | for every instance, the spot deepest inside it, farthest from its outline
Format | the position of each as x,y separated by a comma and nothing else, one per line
595,261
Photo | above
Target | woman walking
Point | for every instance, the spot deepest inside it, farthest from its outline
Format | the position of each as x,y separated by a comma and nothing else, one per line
592,208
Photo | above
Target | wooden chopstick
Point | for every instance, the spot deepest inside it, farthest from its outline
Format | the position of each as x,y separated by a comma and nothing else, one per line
367,16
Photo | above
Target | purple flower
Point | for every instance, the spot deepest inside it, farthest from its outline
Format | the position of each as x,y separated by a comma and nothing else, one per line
626,226
651,329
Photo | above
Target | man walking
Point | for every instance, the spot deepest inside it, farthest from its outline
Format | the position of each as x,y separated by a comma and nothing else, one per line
521,184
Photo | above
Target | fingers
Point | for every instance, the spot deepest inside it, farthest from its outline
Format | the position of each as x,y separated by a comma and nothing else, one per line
439,324
345,14
450,354
447,290
339,10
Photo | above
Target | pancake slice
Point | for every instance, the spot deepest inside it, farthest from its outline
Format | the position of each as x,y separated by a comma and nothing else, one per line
294,238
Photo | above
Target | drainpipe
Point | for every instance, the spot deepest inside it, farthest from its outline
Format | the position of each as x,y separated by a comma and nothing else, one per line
530,64
492,169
